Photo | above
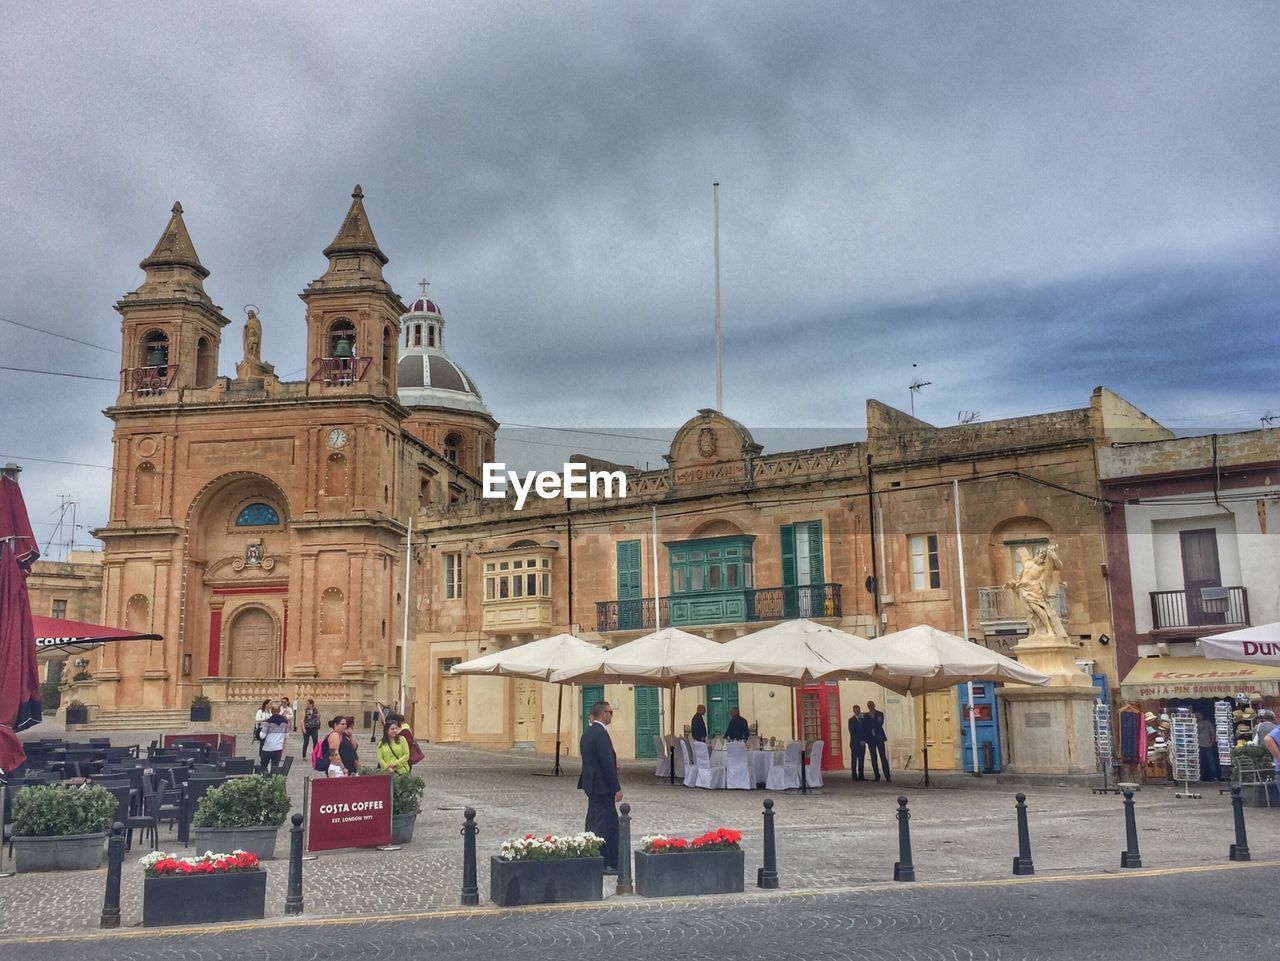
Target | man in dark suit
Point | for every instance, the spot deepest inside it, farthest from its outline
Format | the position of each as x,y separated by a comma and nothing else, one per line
698,728
857,745
873,732
737,729
599,781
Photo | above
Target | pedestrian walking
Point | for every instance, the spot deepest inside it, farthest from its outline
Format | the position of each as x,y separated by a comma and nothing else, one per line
873,732
599,781
1207,738
264,712
339,740
275,732
286,712
310,727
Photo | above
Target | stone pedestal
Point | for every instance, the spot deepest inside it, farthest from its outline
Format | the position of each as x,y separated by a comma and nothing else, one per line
1051,726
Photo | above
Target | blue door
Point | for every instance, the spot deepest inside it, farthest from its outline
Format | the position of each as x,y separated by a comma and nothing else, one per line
985,711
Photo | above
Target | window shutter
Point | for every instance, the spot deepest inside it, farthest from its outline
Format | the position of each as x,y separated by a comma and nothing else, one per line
816,575
788,555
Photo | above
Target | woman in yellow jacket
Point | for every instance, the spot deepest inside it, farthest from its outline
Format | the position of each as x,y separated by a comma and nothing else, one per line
393,750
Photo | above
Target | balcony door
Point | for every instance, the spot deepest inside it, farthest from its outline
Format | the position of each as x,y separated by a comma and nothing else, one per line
802,570
1200,570
630,566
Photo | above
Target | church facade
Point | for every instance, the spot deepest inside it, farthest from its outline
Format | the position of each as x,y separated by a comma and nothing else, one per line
260,525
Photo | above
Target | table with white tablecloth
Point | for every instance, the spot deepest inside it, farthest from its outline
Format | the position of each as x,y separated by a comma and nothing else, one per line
759,762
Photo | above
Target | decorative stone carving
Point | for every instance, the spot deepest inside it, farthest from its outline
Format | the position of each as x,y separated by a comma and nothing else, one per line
1037,586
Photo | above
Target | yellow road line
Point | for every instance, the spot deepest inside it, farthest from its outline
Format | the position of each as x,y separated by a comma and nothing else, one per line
613,904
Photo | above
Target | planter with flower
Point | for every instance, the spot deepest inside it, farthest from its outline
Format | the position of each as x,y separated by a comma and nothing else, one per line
245,814
201,708
547,870
203,888
406,802
675,867
77,713
61,827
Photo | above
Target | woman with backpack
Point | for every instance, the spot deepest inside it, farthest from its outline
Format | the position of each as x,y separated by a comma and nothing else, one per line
337,740
310,727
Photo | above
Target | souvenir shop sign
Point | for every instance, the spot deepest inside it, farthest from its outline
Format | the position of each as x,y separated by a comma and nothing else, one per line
1173,677
348,812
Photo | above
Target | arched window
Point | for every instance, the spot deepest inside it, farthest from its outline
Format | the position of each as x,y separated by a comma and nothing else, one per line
155,349
431,335
137,614
417,335
335,476
145,485
258,515
332,611
342,338
452,443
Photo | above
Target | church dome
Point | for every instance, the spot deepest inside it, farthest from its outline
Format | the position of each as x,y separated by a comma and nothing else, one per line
426,376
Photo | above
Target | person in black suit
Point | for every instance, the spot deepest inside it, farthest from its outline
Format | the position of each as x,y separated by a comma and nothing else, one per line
737,729
698,727
873,733
599,781
857,745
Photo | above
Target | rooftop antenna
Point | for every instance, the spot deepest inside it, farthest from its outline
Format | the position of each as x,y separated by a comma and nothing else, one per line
1269,418
968,416
914,388
715,195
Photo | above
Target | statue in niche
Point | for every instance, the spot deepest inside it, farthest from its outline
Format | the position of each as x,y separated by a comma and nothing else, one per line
1037,584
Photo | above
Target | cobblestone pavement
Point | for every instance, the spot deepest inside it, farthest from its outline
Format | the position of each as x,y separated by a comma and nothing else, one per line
840,837
1171,917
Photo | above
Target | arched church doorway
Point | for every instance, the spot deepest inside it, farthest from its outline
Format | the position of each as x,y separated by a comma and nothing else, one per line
255,644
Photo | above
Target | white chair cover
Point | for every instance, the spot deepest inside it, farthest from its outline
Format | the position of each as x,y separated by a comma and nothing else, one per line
785,776
737,772
663,766
707,776
813,770
690,769
753,743
681,766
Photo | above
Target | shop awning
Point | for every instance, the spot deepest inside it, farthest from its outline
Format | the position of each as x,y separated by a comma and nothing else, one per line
1173,677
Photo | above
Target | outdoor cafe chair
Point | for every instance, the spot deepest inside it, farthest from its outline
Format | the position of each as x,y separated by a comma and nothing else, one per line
737,769
233,766
99,742
662,767
690,769
813,770
709,776
784,775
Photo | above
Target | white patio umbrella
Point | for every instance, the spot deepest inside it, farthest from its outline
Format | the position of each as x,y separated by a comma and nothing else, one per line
653,660
1251,645
537,660
956,660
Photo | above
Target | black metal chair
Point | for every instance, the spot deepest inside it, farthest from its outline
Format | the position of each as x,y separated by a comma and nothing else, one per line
196,788
99,742
238,765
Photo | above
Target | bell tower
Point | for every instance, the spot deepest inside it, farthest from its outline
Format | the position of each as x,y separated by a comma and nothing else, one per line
353,315
171,330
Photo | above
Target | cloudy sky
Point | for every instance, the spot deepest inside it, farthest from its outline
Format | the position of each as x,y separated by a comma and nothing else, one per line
1025,200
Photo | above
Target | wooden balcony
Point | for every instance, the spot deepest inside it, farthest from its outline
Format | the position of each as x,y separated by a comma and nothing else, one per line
516,615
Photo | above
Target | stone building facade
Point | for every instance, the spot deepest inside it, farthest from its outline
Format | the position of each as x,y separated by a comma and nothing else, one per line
728,539
70,589
260,525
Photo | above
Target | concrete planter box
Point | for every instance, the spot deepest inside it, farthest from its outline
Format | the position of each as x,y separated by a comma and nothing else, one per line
204,713
204,898
545,882
689,872
74,852
402,827
260,840
77,715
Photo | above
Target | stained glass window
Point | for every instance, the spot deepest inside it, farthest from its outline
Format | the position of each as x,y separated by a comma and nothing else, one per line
258,515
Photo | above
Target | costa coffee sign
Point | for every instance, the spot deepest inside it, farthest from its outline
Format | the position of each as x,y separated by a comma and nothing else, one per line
348,812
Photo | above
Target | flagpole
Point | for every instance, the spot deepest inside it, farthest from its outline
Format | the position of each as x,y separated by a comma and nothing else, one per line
715,192
404,643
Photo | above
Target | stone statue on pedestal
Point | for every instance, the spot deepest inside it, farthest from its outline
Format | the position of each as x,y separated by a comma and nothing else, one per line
1037,584
253,366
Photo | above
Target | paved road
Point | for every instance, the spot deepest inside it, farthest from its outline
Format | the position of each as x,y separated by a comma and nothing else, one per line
1179,914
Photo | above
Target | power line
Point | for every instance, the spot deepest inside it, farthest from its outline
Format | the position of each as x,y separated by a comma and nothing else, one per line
59,373
46,460
54,333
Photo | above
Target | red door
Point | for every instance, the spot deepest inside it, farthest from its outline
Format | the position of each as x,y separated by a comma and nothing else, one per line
818,717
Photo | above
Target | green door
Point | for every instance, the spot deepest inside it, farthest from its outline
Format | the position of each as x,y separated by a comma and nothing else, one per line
802,567
589,696
720,697
630,616
647,721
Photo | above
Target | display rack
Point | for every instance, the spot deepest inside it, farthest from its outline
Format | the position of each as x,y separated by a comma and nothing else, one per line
1104,757
1184,751
1223,732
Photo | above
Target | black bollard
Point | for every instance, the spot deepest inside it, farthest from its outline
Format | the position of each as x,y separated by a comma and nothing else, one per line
804,768
293,897
1022,863
624,850
470,890
115,865
767,877
1130,858
671,774
903,869
1239,850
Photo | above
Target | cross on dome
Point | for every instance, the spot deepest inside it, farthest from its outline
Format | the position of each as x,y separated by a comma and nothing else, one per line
424,284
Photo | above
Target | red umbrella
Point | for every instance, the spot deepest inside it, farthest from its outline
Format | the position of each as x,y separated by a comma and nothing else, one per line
19,677
60,633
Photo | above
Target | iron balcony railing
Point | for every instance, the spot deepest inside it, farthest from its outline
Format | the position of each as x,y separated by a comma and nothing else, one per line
997,603
1205,607
761,604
